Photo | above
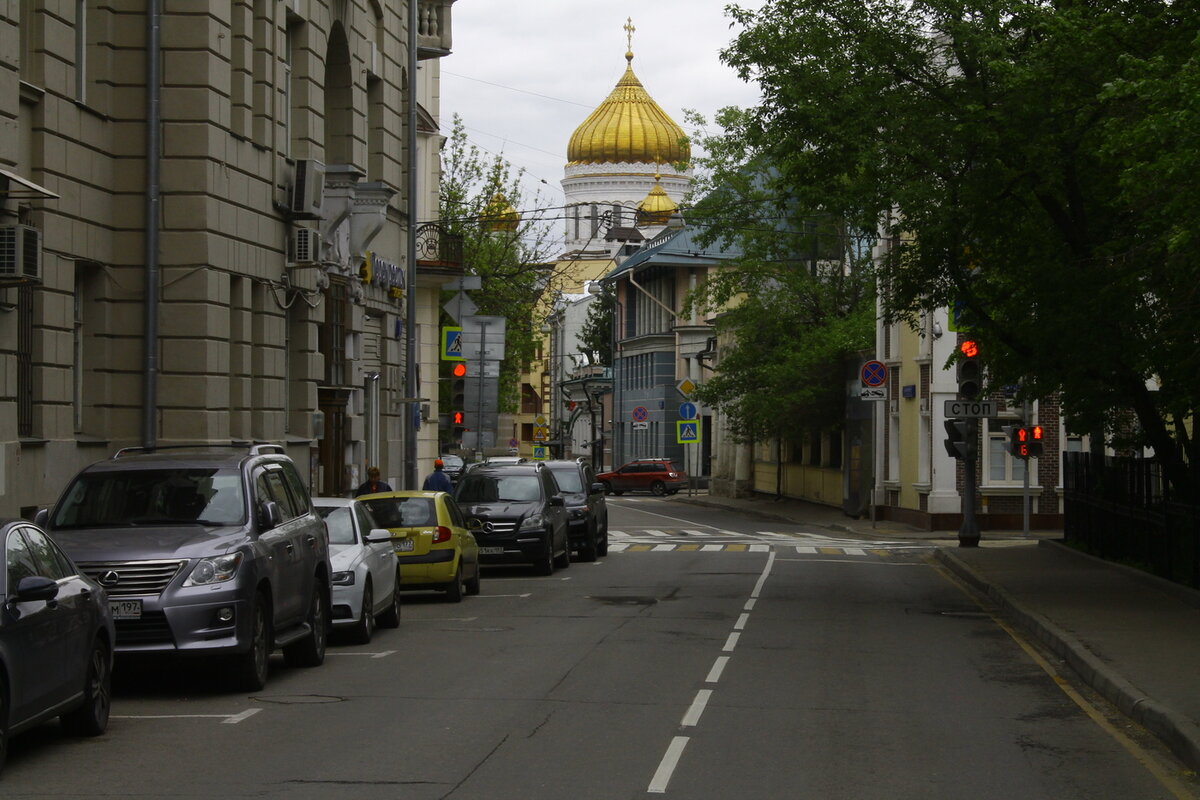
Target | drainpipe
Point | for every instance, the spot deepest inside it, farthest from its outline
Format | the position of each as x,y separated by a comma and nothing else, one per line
412,391
153,119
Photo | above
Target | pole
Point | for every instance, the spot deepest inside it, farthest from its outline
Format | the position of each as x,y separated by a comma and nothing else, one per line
411,473
479,387
1025,483
968,532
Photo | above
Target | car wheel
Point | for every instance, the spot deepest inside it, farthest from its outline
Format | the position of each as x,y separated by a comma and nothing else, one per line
91,717
310,651
545,563
391,617
249,672
3,721
564,560
473,583
366,624
658,488
602,544
608,488
589,550
454,589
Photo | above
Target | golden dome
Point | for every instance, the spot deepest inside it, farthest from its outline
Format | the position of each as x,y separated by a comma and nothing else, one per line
628,128
500,215
657,208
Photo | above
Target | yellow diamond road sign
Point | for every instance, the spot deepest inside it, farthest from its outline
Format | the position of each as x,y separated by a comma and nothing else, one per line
685,387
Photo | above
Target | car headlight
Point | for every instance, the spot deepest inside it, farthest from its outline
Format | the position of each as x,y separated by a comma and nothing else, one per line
343,578
215,569
532,523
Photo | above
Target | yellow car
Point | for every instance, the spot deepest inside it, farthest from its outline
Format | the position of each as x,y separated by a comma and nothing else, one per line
433,546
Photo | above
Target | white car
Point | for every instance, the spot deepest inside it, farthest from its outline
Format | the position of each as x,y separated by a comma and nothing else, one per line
365,572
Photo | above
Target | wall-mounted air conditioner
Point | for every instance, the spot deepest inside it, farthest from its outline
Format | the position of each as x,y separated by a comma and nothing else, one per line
893,406
305,246
925,406
20,254
308,189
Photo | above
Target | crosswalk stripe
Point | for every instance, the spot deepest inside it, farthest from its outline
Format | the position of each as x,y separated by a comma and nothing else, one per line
713,548
663,548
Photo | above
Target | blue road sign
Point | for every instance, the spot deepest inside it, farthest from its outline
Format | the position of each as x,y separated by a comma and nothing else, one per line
452,344
874,373
687,431
687,410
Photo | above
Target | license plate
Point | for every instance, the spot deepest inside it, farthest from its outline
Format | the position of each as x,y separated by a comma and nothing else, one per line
491,551
126,609
405,546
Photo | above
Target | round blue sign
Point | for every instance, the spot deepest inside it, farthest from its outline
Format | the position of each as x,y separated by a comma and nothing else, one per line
687,410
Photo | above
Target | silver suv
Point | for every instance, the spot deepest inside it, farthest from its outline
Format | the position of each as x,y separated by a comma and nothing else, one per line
204,550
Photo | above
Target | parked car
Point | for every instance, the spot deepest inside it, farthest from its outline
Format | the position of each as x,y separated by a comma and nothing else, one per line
365,577
587,510
453,466
56,638
659,476
204,550
433,546
517,515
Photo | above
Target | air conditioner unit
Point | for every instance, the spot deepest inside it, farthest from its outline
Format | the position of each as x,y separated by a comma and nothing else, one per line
925,406
308,189
305,246
20,254
893,406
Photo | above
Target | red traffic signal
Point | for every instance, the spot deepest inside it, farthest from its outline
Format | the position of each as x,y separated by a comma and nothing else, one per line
458,417
970,370
459,370
1025,442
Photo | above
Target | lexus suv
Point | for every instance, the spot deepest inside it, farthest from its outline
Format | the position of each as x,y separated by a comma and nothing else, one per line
204,550
517,515
587,510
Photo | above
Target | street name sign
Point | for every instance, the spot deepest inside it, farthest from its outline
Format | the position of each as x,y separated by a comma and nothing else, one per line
970,408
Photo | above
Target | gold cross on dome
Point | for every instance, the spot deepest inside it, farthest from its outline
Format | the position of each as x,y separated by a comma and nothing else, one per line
629,29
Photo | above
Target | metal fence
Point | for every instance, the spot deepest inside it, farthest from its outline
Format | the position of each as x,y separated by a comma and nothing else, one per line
1121,509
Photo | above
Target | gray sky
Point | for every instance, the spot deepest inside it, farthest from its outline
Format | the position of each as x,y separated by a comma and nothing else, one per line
524,74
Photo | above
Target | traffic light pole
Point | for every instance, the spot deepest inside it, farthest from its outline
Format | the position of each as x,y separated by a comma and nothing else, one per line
968,531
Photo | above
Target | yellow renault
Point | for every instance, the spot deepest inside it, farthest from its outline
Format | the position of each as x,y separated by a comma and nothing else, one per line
436,550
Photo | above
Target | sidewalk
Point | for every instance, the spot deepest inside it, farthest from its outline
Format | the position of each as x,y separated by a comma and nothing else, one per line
1132,637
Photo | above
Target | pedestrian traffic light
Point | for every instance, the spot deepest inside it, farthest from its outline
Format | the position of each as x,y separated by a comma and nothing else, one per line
1024,441
970,370
960,439
458,418
1036,434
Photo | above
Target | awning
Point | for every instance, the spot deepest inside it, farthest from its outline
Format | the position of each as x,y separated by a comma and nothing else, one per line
27,187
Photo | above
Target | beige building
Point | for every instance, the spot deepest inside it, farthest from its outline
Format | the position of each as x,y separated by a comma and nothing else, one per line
205,226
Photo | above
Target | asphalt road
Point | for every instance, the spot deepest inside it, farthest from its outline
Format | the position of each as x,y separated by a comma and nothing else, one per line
708,656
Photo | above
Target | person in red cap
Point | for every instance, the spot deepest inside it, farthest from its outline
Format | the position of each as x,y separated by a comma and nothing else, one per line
438,480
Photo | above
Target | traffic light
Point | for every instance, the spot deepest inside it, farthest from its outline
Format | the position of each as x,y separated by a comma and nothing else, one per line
960,439
1024,441
458,418
458,394
970,370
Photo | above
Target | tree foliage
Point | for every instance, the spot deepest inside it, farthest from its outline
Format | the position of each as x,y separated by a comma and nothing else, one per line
595,337
792,306
1034,163
512,263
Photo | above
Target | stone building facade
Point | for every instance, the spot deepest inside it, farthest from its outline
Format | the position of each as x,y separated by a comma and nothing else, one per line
208,215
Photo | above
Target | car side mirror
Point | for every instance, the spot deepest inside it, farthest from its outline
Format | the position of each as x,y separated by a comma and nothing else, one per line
41,518
380,535
36,587
597,488
557,500
269,515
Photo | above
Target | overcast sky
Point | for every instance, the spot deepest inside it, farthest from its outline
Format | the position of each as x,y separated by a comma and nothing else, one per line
524,74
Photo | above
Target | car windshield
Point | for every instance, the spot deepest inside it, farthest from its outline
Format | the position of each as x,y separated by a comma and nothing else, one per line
452,462
568,479
339,523
498,489
205,496
403,512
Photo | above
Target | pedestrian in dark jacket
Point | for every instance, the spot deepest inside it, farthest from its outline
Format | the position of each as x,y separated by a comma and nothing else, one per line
372,484
438,480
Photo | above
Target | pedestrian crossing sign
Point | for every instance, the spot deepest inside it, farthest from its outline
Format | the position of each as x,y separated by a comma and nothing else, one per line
539,452
687,431
452,348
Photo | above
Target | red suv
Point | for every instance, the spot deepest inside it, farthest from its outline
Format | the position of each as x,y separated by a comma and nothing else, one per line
658,476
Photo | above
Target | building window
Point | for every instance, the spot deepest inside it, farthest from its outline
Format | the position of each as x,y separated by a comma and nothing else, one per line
1001,467
333,333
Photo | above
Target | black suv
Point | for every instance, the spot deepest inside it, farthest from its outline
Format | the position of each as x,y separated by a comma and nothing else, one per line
587,510
204,550
517,515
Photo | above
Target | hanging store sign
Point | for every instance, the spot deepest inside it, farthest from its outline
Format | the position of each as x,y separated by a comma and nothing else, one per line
382,274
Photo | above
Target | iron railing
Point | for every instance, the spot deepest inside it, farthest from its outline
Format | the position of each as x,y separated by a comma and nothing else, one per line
436,247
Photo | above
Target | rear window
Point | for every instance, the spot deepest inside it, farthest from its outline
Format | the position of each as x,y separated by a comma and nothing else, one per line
568,479
205,496
403,512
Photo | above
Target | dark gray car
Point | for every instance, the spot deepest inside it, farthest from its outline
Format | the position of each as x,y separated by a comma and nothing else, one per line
204,551
56,638
517,515
587,510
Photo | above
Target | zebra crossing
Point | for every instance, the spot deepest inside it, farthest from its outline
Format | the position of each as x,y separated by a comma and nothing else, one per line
715,540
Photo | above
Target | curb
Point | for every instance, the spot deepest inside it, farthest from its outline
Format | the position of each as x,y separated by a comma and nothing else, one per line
1179,734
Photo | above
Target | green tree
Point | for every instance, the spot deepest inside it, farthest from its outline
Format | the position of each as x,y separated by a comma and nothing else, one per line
793,305
1033,163
595,337
513,263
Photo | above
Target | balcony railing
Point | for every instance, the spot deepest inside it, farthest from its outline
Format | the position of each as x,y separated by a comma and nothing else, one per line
433,28
437,248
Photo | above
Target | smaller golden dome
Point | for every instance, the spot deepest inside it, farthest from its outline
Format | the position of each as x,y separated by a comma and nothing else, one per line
500,215
657,208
